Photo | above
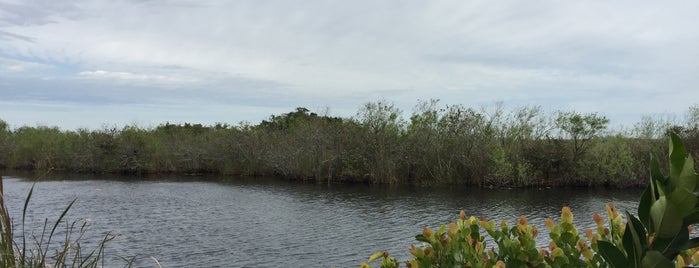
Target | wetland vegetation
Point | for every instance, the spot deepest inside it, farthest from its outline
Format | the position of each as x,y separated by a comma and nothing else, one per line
435,144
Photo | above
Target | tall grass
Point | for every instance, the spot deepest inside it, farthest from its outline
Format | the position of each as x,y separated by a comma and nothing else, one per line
41,251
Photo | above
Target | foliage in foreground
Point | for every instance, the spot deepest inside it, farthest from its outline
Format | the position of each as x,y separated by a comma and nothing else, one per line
658,237
39,251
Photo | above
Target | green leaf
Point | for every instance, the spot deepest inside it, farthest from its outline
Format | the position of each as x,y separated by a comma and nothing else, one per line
687,179
610,253
655,174
634,240
422,238
647,200
654,259
677,155
685,200
672,246
666,218
693,217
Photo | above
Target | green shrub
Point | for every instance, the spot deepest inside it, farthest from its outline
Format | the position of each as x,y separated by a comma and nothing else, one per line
658,237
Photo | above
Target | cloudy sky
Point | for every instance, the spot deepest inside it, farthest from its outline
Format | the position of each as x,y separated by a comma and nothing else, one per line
90,63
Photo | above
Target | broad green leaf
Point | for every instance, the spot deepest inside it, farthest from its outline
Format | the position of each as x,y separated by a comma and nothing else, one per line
647,200
610,253
666,218
693,217
671,246
634,239
687,178
677,155
684,200
654,259
632,247
655,173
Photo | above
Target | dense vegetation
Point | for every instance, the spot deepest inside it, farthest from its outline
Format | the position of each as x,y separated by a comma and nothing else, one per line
661,236
435,145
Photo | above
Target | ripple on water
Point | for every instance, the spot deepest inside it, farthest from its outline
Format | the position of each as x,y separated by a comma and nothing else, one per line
267,223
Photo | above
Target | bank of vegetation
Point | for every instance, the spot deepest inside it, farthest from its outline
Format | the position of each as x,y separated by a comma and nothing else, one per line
435,144
659,235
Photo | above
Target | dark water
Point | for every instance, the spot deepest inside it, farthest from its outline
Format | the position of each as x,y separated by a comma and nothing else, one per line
271,223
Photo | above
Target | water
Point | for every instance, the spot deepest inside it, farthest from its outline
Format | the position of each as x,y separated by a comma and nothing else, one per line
190,222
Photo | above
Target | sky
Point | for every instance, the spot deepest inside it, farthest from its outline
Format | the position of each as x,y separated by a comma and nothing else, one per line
98,63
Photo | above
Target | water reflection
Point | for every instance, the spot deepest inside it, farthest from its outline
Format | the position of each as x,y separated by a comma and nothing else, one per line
266,222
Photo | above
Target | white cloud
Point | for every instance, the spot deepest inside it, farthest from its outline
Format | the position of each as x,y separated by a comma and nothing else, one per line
343,53
11,65
134,77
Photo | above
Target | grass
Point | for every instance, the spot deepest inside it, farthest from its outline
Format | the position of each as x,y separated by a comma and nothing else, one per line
39,251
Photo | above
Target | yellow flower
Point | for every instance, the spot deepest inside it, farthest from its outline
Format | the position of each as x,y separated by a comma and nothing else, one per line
611,210
503,225
472,220
566,215
375,256
679,261
453,228
499,264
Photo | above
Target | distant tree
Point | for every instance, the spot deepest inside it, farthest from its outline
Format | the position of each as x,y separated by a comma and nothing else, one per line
384,126
581,128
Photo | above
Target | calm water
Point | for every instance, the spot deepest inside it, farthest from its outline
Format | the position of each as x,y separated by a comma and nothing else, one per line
270,223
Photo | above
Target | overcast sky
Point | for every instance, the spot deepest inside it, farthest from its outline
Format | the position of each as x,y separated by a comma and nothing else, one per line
89,63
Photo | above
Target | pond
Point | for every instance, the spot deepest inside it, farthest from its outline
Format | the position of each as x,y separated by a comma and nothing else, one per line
265,222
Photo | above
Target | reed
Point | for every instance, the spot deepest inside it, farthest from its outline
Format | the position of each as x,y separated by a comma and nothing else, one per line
42,251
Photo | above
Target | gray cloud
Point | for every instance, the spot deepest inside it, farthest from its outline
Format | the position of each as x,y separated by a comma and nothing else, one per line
8,36
278,54
36,12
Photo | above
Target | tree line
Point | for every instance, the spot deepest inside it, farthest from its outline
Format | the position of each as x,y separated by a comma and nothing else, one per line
450,144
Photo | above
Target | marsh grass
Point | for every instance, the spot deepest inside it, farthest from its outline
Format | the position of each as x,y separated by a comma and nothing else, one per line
42,250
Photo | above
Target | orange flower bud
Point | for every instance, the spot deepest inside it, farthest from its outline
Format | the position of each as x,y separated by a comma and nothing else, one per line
606,231
598,219
552,246
589,234
523,220
549,224
500,264
611,210
427,233
535,231
544,252
462,215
